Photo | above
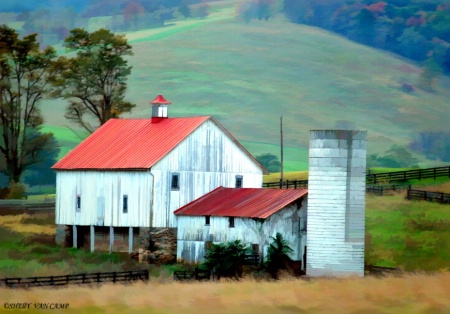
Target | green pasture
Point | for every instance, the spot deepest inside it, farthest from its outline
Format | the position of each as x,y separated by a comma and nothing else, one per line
413,235
247,75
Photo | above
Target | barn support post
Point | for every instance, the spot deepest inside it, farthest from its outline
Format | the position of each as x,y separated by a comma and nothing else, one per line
130,240
92,238
111,238
74,236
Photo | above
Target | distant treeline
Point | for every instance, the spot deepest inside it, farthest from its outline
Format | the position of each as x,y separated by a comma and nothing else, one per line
416,29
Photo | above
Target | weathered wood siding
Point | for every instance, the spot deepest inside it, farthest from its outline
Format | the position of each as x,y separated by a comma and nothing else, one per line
205,160
336,203
101,195
193,233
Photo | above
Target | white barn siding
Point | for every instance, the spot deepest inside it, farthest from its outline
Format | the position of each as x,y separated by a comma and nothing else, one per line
192,233
101,194
205,160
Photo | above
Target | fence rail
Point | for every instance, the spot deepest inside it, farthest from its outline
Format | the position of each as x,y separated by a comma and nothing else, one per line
381,189
374,178
114,277
415,174
443,198
47,203
293,184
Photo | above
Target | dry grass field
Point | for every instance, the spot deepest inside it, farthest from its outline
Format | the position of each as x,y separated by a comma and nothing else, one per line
413,293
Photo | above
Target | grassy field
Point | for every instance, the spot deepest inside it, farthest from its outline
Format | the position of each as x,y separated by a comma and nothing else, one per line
414,236
248,75
415,293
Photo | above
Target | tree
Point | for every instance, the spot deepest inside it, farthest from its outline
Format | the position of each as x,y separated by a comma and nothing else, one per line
25,72
94,81
269,161
430,71
278,255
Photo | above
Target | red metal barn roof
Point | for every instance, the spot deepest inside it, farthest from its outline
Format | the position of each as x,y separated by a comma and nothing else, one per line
129,143
242,202
122,144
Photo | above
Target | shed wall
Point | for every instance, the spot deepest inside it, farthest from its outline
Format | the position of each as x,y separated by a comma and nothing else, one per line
193,233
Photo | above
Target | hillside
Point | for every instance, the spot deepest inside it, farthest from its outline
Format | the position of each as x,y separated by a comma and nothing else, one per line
247,75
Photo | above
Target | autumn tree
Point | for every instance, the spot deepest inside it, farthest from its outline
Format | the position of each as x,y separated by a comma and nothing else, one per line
94,80
25,72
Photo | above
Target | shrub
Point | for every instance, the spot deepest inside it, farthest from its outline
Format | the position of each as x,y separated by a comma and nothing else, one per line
16,191
278,255
226,259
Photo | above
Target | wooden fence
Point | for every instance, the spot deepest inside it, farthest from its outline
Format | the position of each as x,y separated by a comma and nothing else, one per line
126,276
197,274
443,198
294,184
415,174
45,204
381,189
374,178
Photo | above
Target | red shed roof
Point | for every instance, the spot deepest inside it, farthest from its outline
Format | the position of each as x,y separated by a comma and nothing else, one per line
129,143
243,202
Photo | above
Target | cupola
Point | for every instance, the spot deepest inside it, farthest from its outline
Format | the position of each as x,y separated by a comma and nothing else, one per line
159,107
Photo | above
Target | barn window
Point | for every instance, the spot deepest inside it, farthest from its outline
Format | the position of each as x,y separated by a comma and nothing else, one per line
78,203
231,222
125,204
207,220
238,181
175,185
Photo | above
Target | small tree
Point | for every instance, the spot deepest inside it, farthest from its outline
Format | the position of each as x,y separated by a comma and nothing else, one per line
226,259
278,255
270,162
94,81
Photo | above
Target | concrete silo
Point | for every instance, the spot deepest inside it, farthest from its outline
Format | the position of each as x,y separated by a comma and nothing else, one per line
336,203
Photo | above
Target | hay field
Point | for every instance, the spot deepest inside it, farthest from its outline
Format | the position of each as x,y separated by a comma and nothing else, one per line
414,293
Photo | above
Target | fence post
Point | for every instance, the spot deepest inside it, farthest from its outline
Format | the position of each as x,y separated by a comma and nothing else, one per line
434,173
281,183
408,195
442,198
98,277
114,277
295,184
287,184
420,174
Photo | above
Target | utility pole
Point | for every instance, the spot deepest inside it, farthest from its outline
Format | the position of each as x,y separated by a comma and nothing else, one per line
282,153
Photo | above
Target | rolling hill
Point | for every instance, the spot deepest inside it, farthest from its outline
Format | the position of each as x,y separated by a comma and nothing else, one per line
248,75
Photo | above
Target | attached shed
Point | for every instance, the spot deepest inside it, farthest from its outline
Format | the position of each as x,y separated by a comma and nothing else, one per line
251,215
134,173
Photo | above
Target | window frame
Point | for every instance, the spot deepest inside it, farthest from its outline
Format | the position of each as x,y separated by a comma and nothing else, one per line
207,220
125,204
78,203
231,222
175,187
238,179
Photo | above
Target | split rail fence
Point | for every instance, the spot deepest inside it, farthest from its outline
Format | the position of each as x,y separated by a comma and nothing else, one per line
92,278
443,198
375,178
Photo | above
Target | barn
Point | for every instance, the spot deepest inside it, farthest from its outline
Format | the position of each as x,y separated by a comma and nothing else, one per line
128,177
252,215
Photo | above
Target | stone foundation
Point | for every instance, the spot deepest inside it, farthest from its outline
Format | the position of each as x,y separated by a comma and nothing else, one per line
158,245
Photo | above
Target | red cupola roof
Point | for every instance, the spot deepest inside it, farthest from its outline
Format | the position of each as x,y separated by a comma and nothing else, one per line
160,100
